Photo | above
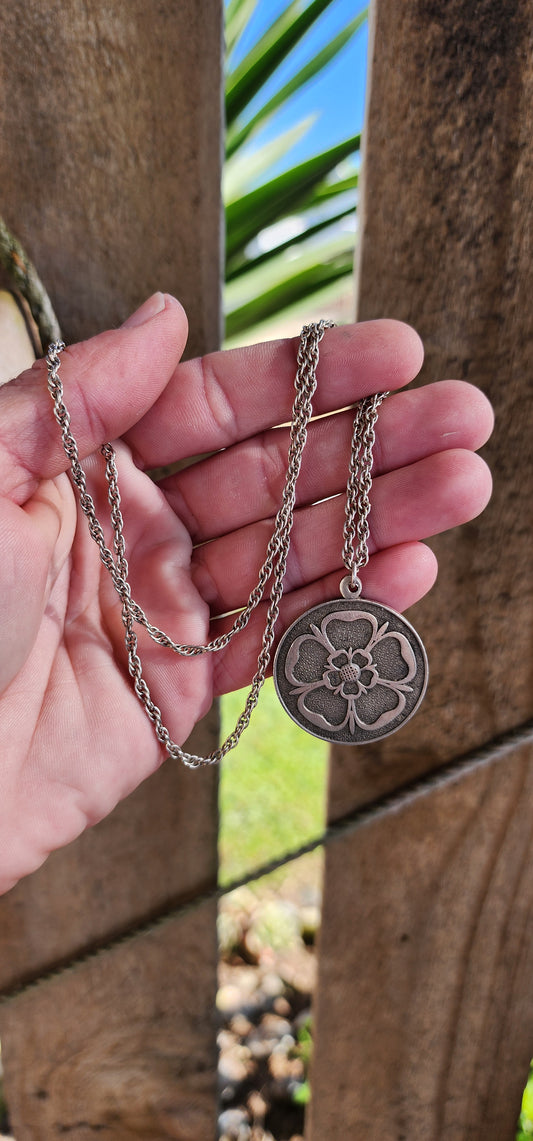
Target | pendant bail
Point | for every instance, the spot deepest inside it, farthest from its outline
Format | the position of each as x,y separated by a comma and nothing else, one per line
351,586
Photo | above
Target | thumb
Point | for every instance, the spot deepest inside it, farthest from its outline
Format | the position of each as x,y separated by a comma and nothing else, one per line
17,349
110,382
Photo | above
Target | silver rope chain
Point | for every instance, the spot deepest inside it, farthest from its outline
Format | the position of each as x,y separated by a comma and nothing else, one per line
355,551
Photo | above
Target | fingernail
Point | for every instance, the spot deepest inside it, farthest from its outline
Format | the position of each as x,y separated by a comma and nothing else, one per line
150,308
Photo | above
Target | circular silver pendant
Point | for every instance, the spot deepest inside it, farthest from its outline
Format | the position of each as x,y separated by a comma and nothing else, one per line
351,672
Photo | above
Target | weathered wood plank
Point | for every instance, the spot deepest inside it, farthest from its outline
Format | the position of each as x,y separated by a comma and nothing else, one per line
110,152
425,1008
446,226
143,1070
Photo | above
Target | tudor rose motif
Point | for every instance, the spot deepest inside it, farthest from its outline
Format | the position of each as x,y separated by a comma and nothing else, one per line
351,672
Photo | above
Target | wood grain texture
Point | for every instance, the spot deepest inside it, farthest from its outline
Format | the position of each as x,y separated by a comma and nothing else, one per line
446,229
110,150
425,1005
143,1071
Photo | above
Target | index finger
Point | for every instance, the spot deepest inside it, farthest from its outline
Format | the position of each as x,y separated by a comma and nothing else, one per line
217,400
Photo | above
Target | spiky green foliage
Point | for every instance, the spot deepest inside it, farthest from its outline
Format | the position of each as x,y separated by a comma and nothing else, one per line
312,198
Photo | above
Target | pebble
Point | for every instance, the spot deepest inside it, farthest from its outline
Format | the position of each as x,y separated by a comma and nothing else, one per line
233,1125
265,983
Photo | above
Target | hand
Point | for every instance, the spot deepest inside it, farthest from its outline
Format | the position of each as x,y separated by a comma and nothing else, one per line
74,739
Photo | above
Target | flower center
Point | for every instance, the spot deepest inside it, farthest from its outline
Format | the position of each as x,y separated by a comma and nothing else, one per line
350,673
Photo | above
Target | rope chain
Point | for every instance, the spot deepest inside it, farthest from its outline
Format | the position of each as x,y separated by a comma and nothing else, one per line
356,528
275,563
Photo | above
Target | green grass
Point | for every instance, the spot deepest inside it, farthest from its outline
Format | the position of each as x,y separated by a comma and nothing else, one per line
272,788
525,1125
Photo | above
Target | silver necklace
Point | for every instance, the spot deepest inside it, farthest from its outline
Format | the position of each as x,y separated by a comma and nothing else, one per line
348,671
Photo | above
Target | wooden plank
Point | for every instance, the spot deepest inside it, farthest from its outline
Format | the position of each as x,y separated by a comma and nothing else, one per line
110,151
143,1070
425,1010
445,227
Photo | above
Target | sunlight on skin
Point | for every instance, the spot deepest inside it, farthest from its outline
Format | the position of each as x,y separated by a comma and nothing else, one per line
75,739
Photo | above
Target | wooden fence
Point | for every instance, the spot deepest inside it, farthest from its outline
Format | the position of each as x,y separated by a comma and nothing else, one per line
424,1013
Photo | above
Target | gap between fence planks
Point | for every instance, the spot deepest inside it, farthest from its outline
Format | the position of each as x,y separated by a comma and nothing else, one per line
425,1004
110,153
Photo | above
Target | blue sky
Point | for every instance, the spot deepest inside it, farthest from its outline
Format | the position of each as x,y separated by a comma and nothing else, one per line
336,96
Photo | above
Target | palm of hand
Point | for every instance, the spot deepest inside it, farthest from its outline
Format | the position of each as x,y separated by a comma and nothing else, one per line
75,739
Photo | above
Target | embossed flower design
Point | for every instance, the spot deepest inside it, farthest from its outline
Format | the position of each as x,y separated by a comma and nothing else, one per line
351,671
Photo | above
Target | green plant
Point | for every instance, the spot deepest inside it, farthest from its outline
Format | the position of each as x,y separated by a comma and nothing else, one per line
299,212
303,1049
272,789
525,1124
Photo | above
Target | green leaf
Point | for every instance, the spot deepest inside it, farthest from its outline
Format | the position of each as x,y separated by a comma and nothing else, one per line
264,58
281,196
301,1093
241,265
300,283
245,168
237,16
527,1100
324,191
237,136
322,302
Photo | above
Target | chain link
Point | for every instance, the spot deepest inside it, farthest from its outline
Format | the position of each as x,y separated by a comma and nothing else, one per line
356,528
275,563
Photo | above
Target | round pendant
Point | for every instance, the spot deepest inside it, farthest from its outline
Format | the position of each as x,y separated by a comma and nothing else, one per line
351,672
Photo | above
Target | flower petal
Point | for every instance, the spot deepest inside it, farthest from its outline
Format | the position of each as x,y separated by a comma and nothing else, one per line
331,714
378,707
306,660
394,657
349,630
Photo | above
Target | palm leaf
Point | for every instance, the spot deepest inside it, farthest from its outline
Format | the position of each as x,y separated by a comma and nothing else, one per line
238,14
297,287
237,136
244,82
243,169
310,232
279,197
326,190
269,289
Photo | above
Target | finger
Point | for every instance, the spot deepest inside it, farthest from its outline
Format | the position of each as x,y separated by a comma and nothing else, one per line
398,577
409,504
109,383
245,483
17,349
212,402
35,542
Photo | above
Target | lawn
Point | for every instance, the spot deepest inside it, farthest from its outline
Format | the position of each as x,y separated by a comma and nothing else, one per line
272,787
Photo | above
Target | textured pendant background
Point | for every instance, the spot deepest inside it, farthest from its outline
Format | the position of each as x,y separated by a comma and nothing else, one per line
351,671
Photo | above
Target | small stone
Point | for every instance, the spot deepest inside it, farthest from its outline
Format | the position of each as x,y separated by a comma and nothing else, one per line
240,1025
233,1125
272,1026
282,1006
238,988
282,1068
271,985
228,997
257,1107
285,1044
233,1066
298,969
